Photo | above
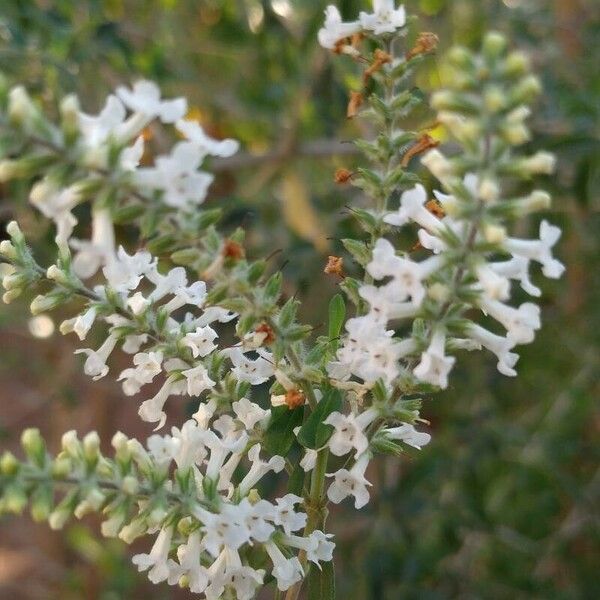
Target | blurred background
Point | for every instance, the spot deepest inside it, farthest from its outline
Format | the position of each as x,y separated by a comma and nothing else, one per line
504,501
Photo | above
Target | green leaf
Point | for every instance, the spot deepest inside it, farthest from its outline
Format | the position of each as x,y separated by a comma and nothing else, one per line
337,314
280,434
314,433
321,583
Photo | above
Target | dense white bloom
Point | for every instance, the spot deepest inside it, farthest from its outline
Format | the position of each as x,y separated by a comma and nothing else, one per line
385,18
157,560
225,529
409,435
335,29
144,98
193,131
256,519
201,341
435,365
350,483
348,433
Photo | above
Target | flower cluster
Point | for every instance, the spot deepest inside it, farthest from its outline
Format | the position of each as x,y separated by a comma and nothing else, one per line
335,401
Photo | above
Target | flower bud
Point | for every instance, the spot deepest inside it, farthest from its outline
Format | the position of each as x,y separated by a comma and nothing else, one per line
489,191
71,444
45,303
526,90
11,295
494,45
438,164
15,232
439,292
61,467
9,169
59,517
516,64
460,57
157,516
130,485
20,107
542,163
41,504
134,530
34,445
8,250
9,465
15,499
69,110
91,446
494,234
494,99
184,526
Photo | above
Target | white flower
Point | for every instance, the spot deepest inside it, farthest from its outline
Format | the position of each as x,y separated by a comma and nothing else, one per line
138,303
435,365
201,341
309,460
156,561
496,286
204,413
285,515
145,98
335,29
259,469
225,529
97,129
189,565
133,343
409,435
317,546
188,441
95,364
249,413
245,581
520,324
130,157
385,17
152,411
56,204
195,295
350,483
193,131
147,366
232,441
539,250
287,571
162,449
348,431
125,272
215,313
174,279
256,519
255,371
412,208
177,177
500,346
384,304
100,250
83,323
198,380
517,268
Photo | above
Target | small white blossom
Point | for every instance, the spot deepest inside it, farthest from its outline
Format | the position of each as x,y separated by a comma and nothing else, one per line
193,131
259,469
249,413
144,98
95,364
385,18
201,341
335,29
285,515
287,571
198,380
350,483
348,431
435,365
409,435
157,560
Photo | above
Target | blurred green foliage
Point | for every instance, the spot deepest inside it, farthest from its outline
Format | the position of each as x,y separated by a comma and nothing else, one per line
504,502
